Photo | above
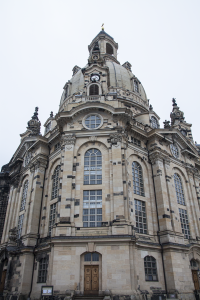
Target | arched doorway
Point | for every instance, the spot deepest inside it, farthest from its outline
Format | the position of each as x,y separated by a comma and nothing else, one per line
194,268
91,270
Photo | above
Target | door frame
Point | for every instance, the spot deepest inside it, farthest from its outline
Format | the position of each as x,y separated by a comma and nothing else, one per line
90,263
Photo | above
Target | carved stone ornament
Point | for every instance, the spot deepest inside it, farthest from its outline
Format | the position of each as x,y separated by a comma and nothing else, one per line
13,234
157,156
68,139
115,138
93,138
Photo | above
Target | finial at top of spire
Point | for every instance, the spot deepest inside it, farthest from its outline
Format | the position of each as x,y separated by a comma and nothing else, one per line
174,102
102,26
35,115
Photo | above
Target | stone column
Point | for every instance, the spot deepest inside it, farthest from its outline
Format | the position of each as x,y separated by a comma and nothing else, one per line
66,207
35,201
161,190
118,191
173,208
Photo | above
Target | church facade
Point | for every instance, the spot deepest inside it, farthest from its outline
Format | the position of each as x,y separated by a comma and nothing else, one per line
106,201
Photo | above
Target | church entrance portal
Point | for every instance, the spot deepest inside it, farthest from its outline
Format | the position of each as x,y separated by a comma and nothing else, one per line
91,279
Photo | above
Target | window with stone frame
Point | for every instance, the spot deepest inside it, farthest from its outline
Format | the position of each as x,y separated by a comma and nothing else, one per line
184,223
138,185
24,196
93,167
154,122
136,88
55,183
92,208
150,269
92,121
42,270
91,256
57,146
135,141
140,216
20,226
193,263
179,189
52,217
94,90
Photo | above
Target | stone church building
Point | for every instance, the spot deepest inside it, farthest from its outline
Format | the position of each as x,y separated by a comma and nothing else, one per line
106,201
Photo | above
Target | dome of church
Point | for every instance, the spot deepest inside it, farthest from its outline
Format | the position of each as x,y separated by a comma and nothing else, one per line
103,53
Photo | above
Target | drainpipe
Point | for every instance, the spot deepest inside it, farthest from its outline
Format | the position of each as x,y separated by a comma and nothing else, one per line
158,223
29,295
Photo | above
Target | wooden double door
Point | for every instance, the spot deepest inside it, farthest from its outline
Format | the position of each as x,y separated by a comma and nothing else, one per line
91,279
3,278
195,279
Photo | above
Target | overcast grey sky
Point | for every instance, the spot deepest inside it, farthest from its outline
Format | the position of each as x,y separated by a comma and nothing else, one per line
42,40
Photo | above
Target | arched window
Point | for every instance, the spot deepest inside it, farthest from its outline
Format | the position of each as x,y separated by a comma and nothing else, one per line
55,186
109,49
94,89
136,89
42,272
179,189
93,167
138,186
91,256
24,196
154,122
150,268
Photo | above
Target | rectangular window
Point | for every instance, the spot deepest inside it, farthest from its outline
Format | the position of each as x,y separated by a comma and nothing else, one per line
57,146
20,226
42,272
140,216
135,141
184,223
52,217
92,208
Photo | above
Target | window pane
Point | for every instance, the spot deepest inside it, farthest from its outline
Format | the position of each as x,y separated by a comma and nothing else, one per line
93,201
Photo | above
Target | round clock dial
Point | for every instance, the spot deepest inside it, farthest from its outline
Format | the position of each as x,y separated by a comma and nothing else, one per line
95,77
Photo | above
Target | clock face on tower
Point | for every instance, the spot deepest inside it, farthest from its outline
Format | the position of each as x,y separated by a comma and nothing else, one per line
95,77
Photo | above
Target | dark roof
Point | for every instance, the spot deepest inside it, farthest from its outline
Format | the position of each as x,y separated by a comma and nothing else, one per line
103,32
